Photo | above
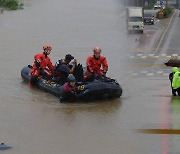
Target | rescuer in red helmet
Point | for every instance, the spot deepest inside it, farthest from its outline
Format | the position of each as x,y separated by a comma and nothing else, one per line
96,64
42,65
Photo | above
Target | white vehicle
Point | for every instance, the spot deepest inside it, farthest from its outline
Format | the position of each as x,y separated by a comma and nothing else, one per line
157,6
135,19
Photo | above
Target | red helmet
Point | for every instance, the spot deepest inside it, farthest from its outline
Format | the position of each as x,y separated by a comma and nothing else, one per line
47,46
97,50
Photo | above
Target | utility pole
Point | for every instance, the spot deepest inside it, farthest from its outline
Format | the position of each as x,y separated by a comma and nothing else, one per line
177,4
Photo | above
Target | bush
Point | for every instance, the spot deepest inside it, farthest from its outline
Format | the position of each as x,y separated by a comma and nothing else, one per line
164,13
167,11
1,3
11,4
160,15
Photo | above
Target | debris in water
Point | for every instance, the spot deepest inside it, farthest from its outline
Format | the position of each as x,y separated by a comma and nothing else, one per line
4,146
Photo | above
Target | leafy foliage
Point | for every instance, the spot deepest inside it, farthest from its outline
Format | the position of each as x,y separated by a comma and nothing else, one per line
167,11
11,4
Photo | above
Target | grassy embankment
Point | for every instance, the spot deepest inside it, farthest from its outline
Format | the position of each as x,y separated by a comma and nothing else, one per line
11,4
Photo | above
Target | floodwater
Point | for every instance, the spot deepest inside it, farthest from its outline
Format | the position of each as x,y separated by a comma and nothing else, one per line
34,122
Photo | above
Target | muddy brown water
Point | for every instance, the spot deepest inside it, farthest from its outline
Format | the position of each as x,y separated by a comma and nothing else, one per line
34,122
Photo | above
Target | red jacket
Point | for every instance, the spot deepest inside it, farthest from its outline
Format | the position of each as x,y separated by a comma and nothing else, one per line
94,65
45,64
68,88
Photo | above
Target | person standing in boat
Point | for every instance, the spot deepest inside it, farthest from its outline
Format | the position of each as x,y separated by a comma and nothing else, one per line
69,90
96,65
63,68
42,65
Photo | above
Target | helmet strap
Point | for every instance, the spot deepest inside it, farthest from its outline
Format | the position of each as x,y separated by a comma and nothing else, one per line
95,57
45,53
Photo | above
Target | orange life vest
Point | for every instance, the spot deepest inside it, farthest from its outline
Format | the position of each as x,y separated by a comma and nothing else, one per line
45,64
98,66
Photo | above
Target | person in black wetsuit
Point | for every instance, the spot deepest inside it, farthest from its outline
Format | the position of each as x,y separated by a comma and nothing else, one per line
64,68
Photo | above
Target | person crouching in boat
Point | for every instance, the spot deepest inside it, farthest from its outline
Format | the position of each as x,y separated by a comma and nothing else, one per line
42,65
63,68
94,64
69,91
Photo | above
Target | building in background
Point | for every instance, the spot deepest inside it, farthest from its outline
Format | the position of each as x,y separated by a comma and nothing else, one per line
178,4
175,3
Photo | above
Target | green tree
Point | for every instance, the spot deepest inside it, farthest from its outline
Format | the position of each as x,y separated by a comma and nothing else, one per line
11,4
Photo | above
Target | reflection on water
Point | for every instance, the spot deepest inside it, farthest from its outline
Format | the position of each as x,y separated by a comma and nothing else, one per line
175,124
170,124
103,109
70,111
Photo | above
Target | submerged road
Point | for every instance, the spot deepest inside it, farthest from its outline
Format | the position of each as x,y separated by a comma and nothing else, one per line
164,124
35,122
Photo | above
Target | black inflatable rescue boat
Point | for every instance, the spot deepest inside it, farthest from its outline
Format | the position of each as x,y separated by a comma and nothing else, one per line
88,91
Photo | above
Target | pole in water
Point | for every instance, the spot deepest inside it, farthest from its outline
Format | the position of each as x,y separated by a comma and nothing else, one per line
4,146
